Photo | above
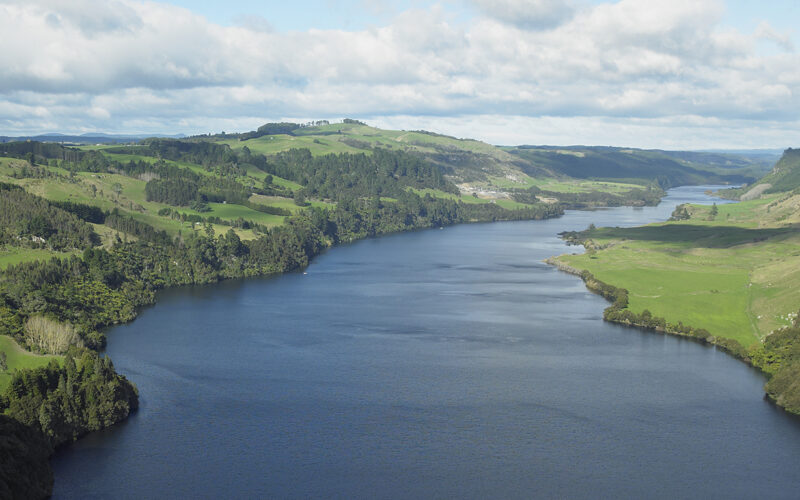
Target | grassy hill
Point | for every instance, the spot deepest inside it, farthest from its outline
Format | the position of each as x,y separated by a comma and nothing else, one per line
478,166
489,172
464,159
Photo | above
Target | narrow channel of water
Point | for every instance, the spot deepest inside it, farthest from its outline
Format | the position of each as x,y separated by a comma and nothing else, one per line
437,364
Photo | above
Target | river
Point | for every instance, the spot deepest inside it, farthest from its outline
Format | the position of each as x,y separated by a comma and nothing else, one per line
445,363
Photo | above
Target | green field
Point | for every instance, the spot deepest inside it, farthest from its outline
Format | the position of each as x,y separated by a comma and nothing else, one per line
286,203
359,138
229,211
10,255
98,189
271,144
145,158
505,203
735,275
561,185
18,358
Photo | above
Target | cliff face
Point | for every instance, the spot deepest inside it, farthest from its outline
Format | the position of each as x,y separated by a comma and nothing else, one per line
786,174
24,461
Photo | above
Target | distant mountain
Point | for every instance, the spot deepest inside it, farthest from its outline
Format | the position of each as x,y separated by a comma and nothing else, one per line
667,168
746,152
88,138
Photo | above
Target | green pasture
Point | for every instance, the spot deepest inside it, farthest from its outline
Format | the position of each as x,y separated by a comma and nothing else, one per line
287,203
11,255
272,144
231,212
18,358
333,138
735,275
436,193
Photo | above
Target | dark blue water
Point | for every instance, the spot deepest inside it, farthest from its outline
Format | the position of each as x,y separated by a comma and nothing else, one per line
438,364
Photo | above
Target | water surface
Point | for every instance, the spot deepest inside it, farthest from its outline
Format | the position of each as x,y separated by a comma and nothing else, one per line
435,364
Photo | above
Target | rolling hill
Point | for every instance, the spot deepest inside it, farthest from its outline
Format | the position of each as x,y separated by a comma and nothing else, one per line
475,165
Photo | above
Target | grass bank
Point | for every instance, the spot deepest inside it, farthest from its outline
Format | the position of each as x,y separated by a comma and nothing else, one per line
725,274
18,358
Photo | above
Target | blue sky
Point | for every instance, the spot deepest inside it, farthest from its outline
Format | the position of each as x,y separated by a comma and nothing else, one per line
684,74
312,14
359,14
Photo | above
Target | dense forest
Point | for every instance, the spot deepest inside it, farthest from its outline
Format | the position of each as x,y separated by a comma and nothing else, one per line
31,221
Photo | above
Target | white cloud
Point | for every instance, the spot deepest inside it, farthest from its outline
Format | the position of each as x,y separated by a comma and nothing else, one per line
766,32
160,68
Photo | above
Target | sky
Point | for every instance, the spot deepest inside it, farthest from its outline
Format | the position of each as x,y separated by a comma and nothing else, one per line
682,74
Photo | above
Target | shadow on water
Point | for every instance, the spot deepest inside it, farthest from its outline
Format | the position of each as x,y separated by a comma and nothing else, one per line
702,236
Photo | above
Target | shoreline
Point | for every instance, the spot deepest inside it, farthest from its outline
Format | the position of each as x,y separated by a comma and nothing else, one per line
701,336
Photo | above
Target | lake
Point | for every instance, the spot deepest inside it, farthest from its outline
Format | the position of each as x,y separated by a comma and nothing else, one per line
446,363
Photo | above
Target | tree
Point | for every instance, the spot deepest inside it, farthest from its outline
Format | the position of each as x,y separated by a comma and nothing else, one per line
3,361
117,188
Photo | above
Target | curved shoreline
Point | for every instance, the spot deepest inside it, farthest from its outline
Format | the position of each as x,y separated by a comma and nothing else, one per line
612,294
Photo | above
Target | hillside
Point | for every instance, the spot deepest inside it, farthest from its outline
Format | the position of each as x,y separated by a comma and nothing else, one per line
494,171
480,169
465,160
783,178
